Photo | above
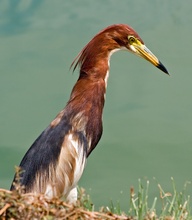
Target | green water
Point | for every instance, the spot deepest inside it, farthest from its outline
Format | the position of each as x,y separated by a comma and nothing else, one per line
147,116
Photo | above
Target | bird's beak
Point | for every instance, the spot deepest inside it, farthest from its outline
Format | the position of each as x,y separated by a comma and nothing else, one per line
141,50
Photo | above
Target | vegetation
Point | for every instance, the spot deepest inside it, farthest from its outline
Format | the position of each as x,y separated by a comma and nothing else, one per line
16,205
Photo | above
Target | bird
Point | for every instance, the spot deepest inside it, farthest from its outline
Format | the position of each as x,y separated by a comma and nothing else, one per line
55,162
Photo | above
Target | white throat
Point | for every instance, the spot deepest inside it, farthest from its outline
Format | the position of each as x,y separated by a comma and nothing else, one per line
109,57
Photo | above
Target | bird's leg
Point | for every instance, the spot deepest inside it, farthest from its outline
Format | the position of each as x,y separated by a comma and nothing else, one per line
72,195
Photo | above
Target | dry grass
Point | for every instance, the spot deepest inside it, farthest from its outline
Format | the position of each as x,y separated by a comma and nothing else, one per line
15,205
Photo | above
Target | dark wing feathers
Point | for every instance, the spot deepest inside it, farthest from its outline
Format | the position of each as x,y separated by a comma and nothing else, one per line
43,153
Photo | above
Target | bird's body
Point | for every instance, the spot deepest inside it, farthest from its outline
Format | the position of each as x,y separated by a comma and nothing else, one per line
55,162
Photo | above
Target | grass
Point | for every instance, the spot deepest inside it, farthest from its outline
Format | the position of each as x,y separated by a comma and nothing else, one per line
16,205
173,206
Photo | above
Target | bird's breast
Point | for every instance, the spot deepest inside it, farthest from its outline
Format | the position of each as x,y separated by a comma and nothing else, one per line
70,166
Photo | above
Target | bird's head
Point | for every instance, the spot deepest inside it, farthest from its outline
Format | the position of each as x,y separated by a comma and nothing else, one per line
111,39
127,38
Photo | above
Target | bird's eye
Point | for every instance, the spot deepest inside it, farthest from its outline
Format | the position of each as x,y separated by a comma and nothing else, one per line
131,39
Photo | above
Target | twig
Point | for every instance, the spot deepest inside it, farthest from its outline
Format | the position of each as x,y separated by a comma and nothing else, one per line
4,208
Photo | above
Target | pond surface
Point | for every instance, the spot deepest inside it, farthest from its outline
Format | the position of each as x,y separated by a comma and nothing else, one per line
147,116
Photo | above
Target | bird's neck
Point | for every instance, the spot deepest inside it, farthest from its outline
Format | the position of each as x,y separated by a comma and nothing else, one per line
88,97
85,107
97,66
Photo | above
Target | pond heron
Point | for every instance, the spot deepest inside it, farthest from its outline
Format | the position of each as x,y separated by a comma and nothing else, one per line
55,162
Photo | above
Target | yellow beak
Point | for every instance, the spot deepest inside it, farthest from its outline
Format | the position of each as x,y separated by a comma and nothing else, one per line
142,51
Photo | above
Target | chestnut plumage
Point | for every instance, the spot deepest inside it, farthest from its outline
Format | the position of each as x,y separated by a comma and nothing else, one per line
55,162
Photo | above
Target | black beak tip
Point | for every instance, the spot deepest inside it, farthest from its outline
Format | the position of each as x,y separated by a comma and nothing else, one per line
162,68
